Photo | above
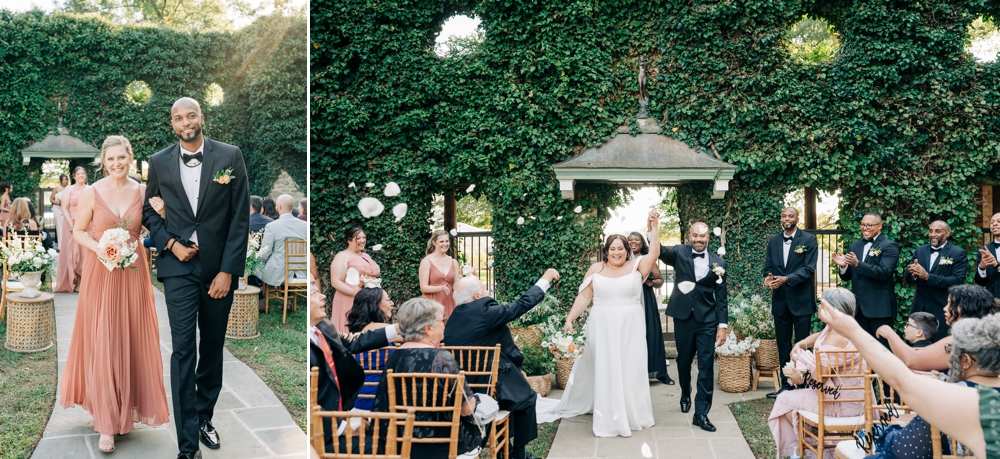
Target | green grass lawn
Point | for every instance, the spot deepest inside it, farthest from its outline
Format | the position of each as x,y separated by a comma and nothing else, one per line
278,356
751,416
539,447
27,394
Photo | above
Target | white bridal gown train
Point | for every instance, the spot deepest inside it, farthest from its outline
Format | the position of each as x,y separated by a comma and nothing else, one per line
610,378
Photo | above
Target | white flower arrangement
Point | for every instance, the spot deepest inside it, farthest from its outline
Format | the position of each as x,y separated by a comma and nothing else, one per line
255,262
27,255
562,345
734,347
751,317
371,282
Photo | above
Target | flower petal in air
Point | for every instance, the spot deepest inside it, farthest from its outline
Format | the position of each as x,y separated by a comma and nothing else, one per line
399,210
350,185
717,231
391,189
470,188
721,251
578,209
520,220
377,247
369,185
353,277
453,232
370,207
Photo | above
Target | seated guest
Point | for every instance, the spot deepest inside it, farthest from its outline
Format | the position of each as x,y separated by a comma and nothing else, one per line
21,221
974,360
270,209
421,322
340,376
964,301
258,220
303,209
920,328
275,234
479,320
965,413
784,416
372,311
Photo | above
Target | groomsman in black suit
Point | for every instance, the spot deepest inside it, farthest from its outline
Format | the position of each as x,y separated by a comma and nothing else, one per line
987,273
870,265
934,268
700,310
789,267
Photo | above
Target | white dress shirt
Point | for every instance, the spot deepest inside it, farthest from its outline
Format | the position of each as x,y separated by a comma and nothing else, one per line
700,265
787,245
864,253
190,178
934,255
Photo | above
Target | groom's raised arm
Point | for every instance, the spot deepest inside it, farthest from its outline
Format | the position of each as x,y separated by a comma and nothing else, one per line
156,225
234,256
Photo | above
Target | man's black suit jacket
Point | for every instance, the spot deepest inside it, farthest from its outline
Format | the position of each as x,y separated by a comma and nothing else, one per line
350,374
931,295
258,222
798,295
873,280
223,211
709,301
992,279
483,322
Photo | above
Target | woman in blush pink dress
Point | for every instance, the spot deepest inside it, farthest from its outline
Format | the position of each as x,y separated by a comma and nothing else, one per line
439,271
113,367
70,255
784,419
352,257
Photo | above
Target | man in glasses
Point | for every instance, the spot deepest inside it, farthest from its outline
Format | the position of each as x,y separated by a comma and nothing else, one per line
870,265
934,268
920,328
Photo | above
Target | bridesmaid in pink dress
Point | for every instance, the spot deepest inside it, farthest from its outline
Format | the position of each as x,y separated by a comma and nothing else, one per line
784,420
352,257
438,271
70,255
113,368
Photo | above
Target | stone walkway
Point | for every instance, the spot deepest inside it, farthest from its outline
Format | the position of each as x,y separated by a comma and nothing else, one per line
251,421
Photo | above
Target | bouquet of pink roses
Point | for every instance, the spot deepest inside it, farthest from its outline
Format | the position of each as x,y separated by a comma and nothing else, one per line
115,251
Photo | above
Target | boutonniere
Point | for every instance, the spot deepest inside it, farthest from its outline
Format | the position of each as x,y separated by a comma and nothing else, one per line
800,249
224,176
874,252
719,271
946,261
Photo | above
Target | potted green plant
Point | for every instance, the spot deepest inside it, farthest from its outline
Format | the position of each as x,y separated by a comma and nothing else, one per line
752,317
538,367
527,329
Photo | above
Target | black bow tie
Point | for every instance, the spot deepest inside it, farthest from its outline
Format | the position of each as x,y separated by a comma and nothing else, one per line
697,255
869,241
996,245
192,160
936,249
787,238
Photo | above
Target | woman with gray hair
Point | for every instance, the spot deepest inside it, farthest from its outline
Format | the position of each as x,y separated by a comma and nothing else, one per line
421,323
783,420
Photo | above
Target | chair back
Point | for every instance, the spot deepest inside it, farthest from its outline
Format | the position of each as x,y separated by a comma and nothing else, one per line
846,371
313,386
366,434
373,362
478,361
880,407
432,393
295,257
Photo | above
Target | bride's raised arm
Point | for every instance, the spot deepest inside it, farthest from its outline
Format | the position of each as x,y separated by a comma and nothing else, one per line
583,298
648,261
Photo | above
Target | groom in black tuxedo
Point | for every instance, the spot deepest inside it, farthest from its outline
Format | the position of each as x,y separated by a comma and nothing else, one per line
700,316
789,267
934,268
202,243
987,273
870,265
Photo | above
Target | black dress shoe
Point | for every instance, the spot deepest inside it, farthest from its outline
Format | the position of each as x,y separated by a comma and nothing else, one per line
209,437
194,455
666,380
774,395
685,404
702,421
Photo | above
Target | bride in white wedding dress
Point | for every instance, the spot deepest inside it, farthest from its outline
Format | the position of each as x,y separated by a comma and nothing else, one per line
610,378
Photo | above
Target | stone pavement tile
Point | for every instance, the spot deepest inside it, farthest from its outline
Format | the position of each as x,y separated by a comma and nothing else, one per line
229,357
265,417
235,440
731,449
723,430
627,446
672,432
229,401
74,421
74,447
573,443
683,449
137,444
286,440
721,414
247,385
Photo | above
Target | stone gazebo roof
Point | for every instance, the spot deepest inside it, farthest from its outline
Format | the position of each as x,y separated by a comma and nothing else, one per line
649,158
59,145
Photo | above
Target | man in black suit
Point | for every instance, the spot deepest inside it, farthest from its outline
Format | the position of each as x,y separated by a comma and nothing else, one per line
337,392
789,267
987,268
479,320
258,220
700,310
870,265
202,243
934,268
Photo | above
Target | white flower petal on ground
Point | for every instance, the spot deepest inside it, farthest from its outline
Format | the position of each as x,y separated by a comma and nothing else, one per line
453,232
399,210
646,452
391,189
353,277
350,185
578,209
377,247
721,251
470,188
370,207
520,220
717,231
369,185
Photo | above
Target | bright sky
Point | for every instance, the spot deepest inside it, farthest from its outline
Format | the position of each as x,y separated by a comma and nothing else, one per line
460,26
50,5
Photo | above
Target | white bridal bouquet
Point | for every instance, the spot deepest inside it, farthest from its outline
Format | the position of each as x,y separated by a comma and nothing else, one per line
27,255
115,251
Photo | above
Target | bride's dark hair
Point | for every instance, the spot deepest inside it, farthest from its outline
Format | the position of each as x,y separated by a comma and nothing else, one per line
607,246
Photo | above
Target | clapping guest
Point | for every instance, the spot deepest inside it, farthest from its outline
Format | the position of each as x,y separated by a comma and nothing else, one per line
934,268
353,256
438,271
789,267
987,267
656,355
479,320
372,311
870,265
